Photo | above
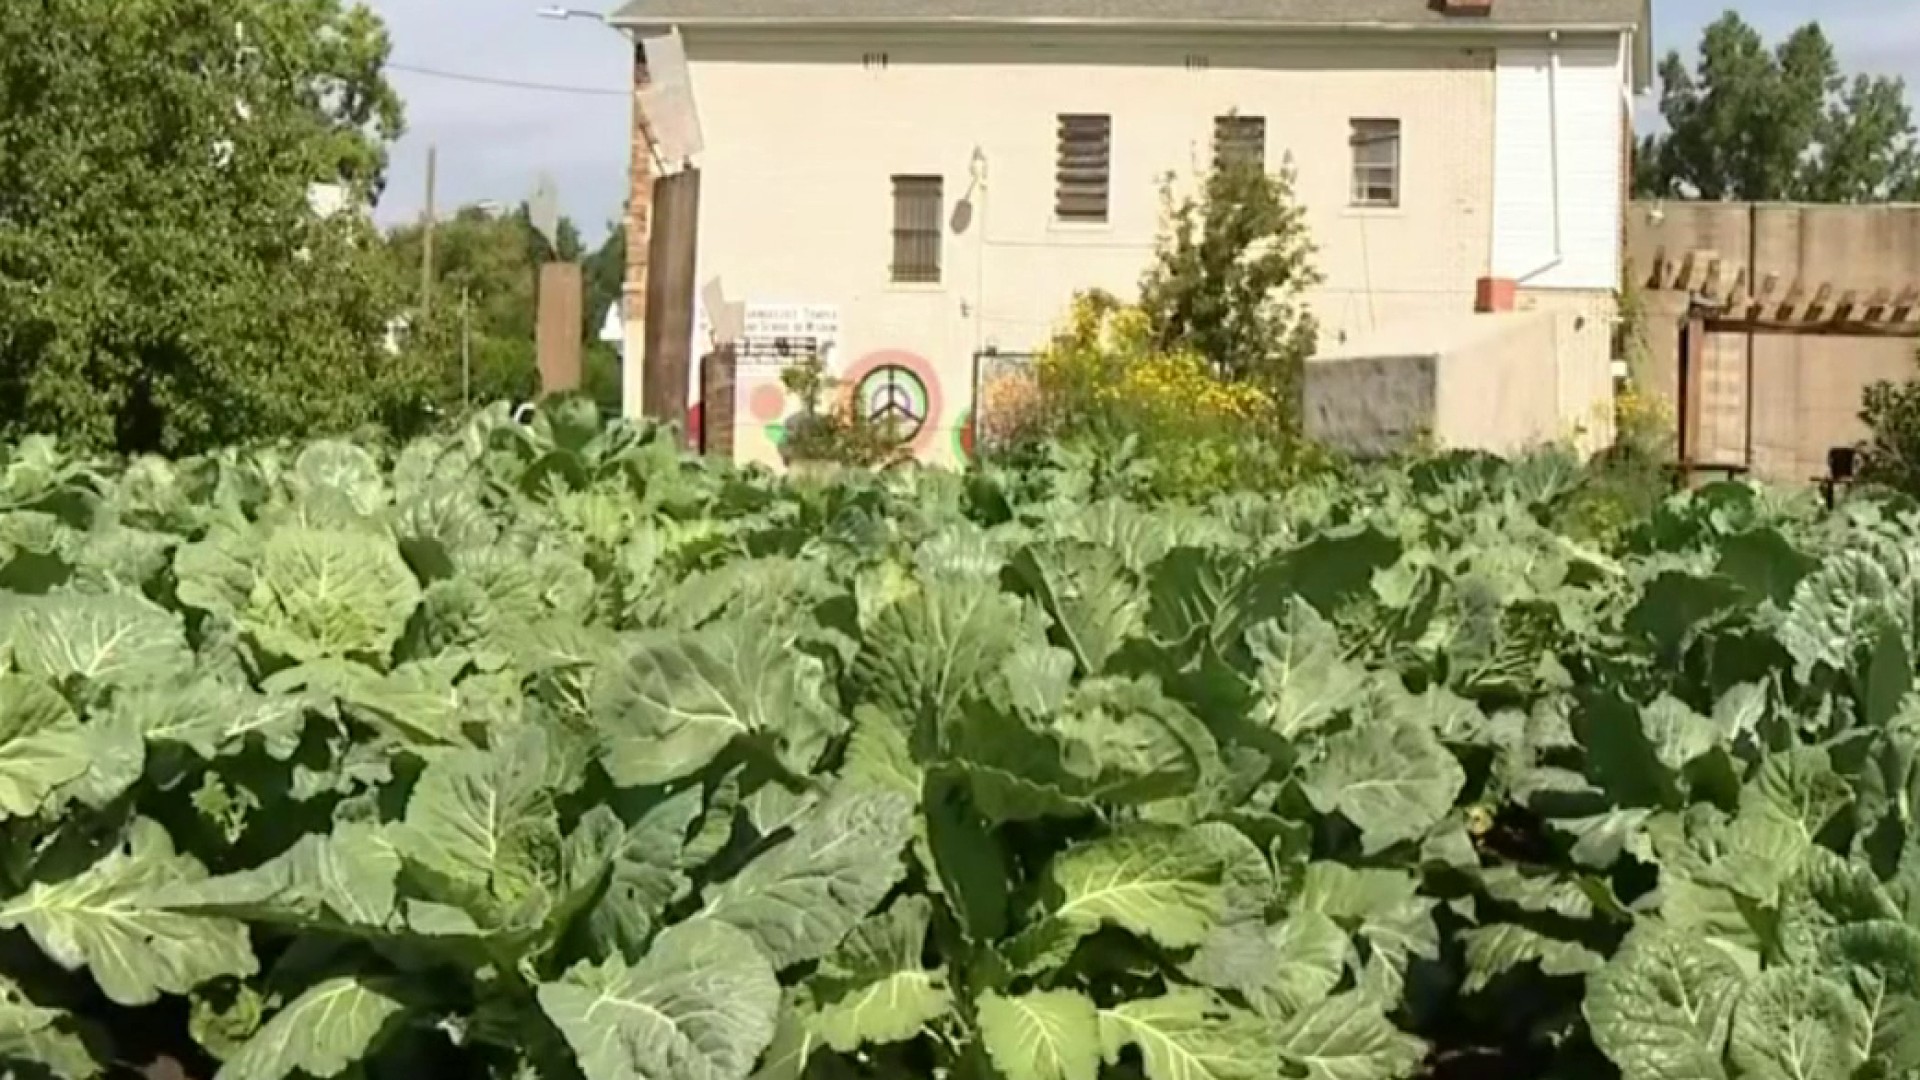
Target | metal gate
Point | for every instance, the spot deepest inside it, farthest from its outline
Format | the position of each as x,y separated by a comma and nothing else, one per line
1005,394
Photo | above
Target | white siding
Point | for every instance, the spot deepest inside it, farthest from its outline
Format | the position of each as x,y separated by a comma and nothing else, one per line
1588,93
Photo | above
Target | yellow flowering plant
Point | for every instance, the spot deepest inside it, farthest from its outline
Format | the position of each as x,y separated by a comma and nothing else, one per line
1103,377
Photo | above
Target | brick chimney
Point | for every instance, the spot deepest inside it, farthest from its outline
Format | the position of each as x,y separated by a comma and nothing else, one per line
1464,7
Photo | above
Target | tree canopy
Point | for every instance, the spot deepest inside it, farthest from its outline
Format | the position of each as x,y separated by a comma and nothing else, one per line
165,282
492,259
1751,123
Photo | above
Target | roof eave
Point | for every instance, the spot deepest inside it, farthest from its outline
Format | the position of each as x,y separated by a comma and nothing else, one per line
635,22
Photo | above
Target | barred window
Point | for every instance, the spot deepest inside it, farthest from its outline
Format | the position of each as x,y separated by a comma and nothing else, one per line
1085,164
917,203
1239,139
1376,162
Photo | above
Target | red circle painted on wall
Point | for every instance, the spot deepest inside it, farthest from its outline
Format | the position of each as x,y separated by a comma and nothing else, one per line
767,403
900,385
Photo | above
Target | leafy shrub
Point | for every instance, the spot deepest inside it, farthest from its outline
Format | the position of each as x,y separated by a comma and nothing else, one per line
832,428
1105,380
1891,412
1228,277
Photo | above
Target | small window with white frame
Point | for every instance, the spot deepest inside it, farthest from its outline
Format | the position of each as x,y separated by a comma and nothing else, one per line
1376,163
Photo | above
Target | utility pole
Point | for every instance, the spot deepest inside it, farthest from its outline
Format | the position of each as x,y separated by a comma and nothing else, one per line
466,350
426,241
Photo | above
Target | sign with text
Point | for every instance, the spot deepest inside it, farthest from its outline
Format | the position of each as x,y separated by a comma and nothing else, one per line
779,334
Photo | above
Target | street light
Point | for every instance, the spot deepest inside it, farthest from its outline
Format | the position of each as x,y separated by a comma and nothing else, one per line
555,11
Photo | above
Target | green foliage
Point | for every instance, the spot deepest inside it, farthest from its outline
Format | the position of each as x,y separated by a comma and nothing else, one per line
1228,277
1102,388
1751,124
1891,413
490,261
543,750
164,282
1197,386
831,427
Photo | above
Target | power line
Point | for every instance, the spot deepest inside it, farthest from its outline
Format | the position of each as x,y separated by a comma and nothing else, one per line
512,84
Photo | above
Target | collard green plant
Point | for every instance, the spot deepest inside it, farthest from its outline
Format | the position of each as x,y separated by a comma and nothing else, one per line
541,750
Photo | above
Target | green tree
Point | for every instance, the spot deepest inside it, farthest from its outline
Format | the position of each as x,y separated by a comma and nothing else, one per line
165,283
1752,123
605,272
1891,412
490,261
1228,277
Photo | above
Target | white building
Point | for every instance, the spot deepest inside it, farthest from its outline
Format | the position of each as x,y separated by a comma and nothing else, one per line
933,180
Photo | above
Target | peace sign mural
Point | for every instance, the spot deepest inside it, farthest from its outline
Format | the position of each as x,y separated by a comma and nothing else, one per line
900,388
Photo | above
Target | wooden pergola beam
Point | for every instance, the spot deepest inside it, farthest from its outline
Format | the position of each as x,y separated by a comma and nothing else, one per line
1827,328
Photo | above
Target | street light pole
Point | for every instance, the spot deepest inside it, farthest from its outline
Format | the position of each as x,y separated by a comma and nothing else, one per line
555,11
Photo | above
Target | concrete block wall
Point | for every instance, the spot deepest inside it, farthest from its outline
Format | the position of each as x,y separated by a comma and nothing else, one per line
1805,391
1482,382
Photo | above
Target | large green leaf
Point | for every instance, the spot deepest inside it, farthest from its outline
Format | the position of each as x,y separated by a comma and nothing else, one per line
1662,1006
1347,1038
1187,1035
1281,969
1491,951
42,745
115,920
802,896
328,593
1156,881
1095,603
1881,962
675,701
1795,1024
40,1041
1394,781
1112,741
214,718
117,640
1044,1035
482,829
1303,678
330,1028
347,877
648,873
929,651
702,1004
874,989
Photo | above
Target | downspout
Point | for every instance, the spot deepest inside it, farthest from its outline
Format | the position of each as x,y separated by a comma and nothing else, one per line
1553,157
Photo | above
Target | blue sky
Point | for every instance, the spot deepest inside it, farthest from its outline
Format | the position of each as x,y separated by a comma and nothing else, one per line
495,141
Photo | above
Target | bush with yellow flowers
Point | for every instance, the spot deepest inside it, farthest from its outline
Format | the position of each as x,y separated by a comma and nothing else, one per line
1103,378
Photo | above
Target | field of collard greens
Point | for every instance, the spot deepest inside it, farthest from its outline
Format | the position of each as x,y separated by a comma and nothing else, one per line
542,751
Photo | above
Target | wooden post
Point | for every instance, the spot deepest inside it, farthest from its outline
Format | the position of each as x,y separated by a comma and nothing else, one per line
426,239
558,333
1693,363
639,210
666,369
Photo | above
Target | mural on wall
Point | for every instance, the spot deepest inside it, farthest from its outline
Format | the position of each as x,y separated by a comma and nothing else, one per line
898,386
894,383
